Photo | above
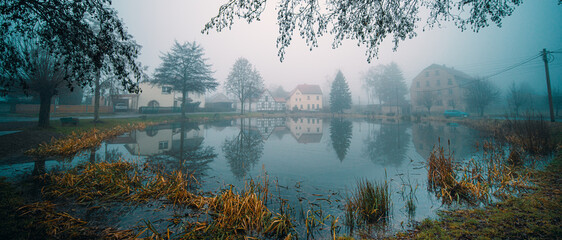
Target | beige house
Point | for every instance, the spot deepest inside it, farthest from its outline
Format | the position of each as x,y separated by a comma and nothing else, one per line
305,98
440,87
153,95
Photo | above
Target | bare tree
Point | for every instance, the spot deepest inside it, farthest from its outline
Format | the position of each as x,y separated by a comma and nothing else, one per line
479,94
44,73
244,82
387,83
557,99
372,81
516,97
427,100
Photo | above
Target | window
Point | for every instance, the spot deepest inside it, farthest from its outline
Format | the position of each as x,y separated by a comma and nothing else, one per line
166,90
317,129
438,82
450,81
418,84
301,106
308,120
163,145
153,103
427,83
317,97
307,106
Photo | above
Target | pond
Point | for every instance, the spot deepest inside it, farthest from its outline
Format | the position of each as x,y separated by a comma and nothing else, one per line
312,163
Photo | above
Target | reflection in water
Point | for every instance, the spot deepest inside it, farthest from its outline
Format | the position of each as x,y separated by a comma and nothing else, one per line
244,150
186,153
387,144
426,135
340,134
305,130
39,167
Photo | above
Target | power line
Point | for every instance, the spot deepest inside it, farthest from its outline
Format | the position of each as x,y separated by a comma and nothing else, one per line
488,76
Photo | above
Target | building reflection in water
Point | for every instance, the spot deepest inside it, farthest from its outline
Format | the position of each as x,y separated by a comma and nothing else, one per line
427,135
305,130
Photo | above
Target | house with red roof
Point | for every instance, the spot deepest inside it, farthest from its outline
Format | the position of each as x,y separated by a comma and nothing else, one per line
305,97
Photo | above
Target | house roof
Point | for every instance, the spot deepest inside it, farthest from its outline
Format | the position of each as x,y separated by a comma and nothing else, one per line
307,89
452,71
280,99
219,97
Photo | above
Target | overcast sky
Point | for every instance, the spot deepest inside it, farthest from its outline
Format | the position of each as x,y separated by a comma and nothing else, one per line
533,26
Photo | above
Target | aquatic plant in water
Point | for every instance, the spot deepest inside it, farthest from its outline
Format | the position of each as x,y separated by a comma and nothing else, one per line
369,203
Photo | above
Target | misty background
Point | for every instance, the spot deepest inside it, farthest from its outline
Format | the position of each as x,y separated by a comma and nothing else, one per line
533,26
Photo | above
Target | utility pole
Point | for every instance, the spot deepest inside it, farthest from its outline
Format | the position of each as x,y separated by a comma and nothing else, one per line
545,59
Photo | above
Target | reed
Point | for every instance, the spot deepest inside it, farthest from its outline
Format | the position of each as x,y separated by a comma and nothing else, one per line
441,172
497,172
369,203
61,225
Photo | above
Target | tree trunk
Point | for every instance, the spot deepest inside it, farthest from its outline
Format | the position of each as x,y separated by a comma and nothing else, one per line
242,107
44,108
183,99
182,142
97,97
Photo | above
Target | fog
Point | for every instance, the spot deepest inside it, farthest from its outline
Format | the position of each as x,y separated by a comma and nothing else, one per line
533,26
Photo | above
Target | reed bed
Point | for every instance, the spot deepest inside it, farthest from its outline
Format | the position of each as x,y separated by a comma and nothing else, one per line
493,174
61,225
531,134
230,214
77,142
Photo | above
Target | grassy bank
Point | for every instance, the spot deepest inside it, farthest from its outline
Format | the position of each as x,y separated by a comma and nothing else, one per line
534,215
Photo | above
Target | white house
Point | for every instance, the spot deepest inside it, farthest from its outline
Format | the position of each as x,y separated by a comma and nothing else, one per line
266,102
153,95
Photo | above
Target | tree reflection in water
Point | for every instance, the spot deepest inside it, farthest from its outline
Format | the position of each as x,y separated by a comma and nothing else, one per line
386,145
340,134
244,150
188,155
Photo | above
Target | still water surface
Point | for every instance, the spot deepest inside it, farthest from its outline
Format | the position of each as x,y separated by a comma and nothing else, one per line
314,163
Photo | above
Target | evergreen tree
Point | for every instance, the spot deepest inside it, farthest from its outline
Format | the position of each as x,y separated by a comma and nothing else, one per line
340,96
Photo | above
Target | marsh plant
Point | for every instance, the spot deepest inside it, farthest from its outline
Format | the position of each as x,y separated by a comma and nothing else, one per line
497,172
369,203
